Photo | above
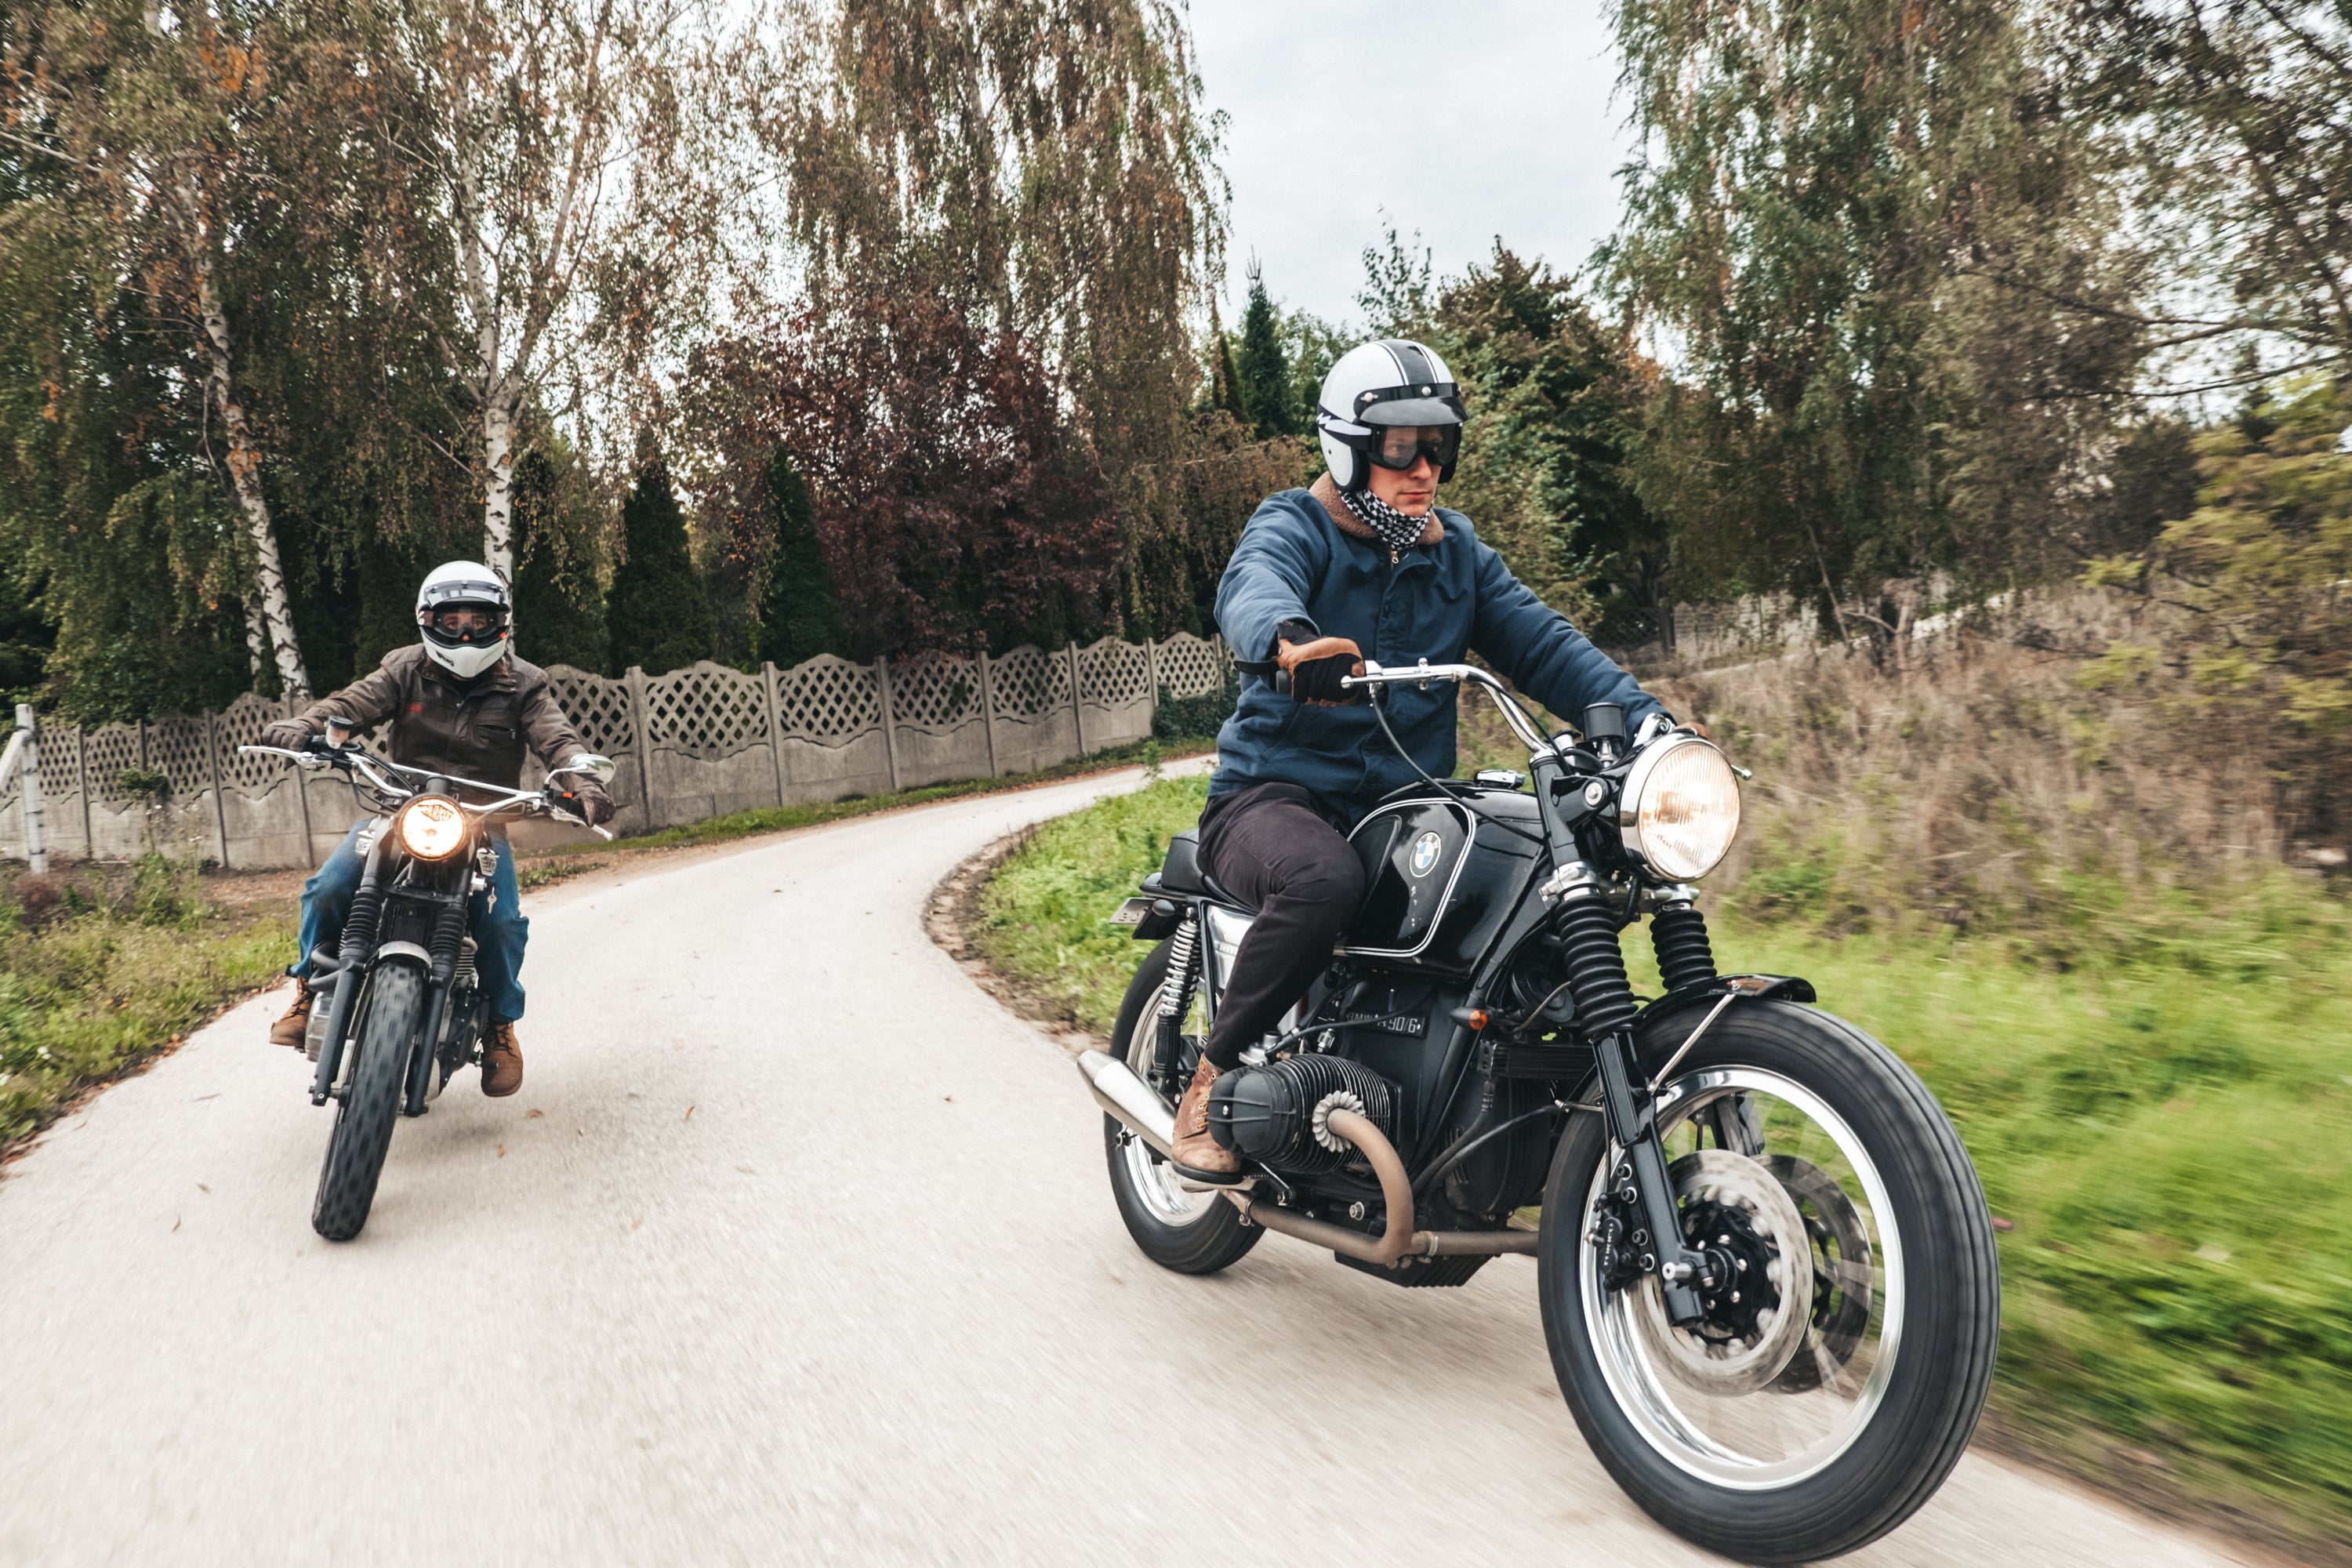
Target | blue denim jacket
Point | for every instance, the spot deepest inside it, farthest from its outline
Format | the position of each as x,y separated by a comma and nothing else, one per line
1294,562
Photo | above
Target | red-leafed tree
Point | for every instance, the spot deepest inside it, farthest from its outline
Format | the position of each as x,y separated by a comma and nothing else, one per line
953,508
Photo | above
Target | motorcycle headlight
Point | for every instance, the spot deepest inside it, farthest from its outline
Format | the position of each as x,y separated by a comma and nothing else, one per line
1680,809
433,829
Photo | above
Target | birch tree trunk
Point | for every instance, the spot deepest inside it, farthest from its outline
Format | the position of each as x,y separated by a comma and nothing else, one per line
498,483
245,478
257,638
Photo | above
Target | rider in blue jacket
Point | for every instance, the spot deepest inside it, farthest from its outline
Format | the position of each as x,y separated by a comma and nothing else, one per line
1364,564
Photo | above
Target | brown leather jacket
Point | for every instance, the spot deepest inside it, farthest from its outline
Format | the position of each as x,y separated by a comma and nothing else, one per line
468,729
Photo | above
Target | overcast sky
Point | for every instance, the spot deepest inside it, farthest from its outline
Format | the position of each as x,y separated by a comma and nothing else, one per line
1462,119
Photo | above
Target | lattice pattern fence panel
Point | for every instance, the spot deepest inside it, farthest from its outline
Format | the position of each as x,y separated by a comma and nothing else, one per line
1029,681
1112,673
112,750
936,694
60,763
1191,668
828,700
707,710
175,747
241,723
598,709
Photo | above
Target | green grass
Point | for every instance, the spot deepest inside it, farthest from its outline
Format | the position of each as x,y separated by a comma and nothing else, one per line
119,968
2167,1131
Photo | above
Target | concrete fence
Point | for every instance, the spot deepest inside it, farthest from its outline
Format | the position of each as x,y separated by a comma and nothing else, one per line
698,742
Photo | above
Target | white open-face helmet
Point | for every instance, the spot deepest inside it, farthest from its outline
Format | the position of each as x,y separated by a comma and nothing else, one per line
1376,393
465,616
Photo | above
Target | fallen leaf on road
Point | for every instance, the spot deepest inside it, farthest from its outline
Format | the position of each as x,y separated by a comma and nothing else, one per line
202,1188
176,1222
201,1098
747,1170
532,1115
689,1114
949,1097
502,1151
635,1224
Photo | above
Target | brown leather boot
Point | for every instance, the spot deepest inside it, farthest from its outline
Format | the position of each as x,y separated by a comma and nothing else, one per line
289,1029
501,1060
1196,1153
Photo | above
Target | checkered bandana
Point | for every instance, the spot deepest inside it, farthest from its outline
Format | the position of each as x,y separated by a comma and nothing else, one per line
1397,531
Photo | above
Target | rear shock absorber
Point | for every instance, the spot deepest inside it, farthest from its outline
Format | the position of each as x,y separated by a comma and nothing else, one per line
1685,957
1183,979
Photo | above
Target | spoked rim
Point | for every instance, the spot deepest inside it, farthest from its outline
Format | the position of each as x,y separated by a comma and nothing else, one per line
1152,1178
1691,1430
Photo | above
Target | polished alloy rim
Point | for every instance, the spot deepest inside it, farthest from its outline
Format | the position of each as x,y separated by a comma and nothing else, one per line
1152,1179
1799,1424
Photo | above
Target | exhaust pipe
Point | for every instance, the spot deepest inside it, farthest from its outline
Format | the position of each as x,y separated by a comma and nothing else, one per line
1131,1103
1129,1100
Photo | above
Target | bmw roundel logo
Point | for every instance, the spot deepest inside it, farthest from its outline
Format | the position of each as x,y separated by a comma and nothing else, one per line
1424,853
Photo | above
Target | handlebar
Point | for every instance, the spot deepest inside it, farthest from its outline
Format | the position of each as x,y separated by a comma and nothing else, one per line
353,756
1423,673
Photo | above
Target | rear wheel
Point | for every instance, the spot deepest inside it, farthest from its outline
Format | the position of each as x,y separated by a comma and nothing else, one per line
1823,1401
1191,1233
385,1035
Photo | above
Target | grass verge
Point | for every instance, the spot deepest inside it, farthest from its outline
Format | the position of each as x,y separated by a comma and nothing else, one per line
2167,1138
100,970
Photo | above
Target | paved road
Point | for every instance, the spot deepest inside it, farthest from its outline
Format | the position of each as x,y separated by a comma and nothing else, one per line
795,1248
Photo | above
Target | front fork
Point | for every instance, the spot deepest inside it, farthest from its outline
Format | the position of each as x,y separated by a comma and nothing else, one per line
1640,1181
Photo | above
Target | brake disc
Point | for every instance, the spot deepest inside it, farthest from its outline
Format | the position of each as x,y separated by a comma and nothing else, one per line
1843,1286
1740,1347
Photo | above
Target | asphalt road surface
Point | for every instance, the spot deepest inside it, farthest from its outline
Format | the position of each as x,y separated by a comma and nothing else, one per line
793,1248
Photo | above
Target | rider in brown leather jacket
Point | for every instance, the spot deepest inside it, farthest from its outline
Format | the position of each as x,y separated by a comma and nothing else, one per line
459,703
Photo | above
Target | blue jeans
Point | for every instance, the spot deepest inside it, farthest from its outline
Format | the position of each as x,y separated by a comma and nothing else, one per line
500,930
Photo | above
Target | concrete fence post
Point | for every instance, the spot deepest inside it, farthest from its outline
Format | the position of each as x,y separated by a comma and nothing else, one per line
988,714
641,723
302,798
212,772
1152,684
28,799
81,775
1078,713
775,724
889,724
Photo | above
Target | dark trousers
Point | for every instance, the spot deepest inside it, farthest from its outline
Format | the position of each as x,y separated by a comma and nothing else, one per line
1269,846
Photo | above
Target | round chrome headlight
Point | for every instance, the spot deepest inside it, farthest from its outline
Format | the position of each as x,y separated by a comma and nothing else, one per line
1680,808
432,827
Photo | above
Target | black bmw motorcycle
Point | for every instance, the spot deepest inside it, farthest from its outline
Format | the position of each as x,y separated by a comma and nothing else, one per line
1767,1271
398,1010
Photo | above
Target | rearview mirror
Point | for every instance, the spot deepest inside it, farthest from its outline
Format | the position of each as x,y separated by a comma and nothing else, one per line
600,769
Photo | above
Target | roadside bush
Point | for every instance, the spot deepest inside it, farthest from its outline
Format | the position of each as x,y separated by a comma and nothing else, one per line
1178,718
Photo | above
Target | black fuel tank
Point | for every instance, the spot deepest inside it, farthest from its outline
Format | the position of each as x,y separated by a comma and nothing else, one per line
1440,884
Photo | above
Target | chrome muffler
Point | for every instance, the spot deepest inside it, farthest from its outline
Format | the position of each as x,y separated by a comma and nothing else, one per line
1129,1100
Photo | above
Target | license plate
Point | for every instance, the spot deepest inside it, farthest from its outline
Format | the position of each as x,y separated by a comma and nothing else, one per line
1130,913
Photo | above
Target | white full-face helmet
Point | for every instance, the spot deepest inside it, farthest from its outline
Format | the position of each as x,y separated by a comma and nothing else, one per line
465,616
1375,393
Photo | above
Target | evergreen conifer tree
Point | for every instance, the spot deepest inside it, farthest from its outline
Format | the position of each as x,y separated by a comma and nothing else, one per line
559,613
800,609
658,617
1264,375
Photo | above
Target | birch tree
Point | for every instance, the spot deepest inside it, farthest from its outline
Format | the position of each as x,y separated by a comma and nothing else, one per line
171,125
571,151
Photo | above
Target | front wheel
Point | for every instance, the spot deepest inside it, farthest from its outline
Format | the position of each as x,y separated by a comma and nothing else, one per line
1191,1233
383,1038
1836,1381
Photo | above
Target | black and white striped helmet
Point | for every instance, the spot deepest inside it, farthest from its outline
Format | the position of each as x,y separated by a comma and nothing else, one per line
1384,383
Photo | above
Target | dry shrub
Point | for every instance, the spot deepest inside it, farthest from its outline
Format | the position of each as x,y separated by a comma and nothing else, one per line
2003,782
38,897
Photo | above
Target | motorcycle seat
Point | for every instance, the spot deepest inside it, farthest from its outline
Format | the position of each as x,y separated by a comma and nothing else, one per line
1183,873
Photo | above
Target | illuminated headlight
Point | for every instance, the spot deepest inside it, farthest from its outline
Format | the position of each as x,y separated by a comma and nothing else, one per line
1680,810
433,829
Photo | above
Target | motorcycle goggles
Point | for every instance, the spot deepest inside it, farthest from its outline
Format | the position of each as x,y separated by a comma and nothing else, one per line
1400,447
466,624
